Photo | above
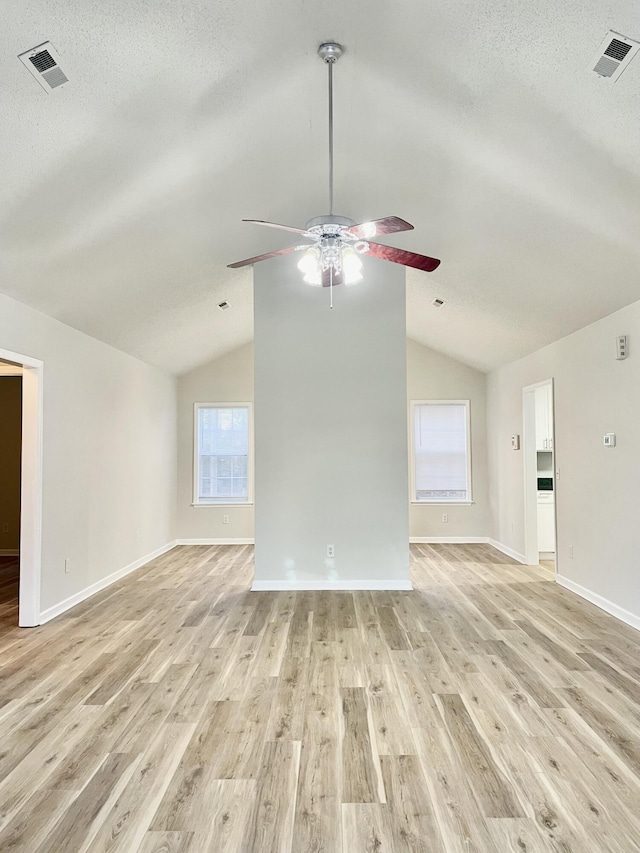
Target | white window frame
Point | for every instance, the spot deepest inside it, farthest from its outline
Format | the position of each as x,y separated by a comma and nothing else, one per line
196,473
412,466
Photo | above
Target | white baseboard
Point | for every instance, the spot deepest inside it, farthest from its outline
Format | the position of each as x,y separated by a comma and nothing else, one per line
9,552
601,602
279,586
229,541
448,540
76,598
519,558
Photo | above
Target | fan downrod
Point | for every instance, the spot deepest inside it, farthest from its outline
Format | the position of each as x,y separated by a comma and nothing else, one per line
330,51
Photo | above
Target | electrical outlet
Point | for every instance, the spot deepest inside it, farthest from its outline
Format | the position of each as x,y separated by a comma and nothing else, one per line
67,565
571,552
331,551
445,518
225,519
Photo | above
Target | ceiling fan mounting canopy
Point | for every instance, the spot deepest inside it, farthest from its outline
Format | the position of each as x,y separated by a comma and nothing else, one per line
330,219
330,51
337,241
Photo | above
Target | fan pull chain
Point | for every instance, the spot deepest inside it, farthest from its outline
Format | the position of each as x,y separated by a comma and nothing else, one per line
331,284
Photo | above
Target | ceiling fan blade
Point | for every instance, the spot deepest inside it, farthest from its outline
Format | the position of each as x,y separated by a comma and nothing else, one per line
326,278
264,257
402,256
388,225
275,225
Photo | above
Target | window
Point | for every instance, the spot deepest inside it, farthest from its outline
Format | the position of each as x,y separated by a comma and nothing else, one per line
222,473
440,451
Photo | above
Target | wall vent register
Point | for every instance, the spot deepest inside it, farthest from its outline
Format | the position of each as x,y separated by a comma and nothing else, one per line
613,56
43,63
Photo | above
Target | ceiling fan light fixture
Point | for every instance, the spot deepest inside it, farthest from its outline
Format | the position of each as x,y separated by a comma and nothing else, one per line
313,278
309,264
351,266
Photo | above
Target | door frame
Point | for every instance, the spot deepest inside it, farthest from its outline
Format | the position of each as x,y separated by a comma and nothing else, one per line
530,460
31,487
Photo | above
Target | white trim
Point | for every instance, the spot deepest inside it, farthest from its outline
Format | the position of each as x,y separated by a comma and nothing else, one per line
250,451
519,558
539,384
225,541
9,552
601,602
87,592
217,505
530,472
412,457
277,586
31,487
448,540
442,503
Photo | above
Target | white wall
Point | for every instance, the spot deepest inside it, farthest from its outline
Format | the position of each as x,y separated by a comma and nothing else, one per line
430,376
330,429
226,380
109,452
597,496
433,376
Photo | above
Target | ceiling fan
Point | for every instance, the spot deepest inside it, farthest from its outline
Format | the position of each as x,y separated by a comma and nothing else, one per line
336,241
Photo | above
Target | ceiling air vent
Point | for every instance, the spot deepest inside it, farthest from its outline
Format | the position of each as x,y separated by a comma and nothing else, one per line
43,63
613,56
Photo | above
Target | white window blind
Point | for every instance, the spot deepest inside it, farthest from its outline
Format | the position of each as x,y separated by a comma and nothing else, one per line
441,457
222,454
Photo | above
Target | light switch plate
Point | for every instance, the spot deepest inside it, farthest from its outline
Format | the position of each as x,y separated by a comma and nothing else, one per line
610,439
515,442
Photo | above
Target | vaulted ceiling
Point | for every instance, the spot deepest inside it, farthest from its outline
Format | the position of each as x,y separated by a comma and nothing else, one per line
122,192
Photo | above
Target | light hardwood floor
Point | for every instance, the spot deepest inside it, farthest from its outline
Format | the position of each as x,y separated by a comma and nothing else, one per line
488,710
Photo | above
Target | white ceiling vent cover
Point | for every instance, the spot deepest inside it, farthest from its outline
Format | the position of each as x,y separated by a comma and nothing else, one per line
613,56
43,62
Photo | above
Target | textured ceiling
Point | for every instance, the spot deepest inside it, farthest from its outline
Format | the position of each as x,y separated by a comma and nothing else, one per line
122,194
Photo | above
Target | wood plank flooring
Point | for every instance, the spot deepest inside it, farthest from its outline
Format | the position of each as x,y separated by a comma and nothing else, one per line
176,711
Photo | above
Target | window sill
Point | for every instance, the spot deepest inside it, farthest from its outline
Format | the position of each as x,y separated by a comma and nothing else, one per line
442,503
214,505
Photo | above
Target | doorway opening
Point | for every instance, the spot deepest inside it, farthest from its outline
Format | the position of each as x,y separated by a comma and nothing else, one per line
539,475
10,480
25,530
